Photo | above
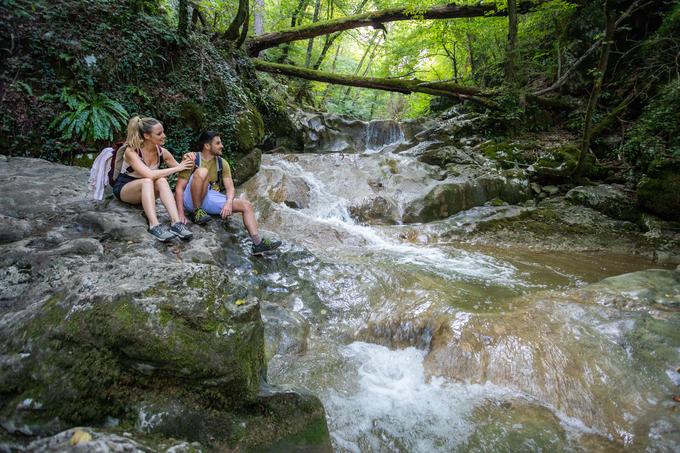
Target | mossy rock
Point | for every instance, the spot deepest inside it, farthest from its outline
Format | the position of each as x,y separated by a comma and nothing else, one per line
507,153
561,162
659,192
249,130
612,200
99,358
246,166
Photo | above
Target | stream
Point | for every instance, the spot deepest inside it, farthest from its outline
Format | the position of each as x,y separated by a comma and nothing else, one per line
418,343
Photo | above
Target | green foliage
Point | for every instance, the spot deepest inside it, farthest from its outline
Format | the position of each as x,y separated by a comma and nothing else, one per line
656,135
92,117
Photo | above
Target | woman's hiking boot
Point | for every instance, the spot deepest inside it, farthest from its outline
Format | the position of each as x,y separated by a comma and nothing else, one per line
265,246
161,233
201,217
181,231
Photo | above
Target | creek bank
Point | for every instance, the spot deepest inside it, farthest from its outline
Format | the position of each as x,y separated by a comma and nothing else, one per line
103,326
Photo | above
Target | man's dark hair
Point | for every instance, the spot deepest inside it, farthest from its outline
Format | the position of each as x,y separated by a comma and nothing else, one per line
205,137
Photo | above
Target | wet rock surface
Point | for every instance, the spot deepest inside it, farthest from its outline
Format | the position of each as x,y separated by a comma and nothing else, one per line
570,348
100,320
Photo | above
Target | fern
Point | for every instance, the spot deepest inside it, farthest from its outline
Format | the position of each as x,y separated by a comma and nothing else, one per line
91,117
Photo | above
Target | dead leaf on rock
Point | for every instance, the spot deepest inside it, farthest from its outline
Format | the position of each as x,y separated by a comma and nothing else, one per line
80,437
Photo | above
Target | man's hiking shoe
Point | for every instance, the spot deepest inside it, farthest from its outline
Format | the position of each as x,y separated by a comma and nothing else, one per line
201,217
181,231
161,233
265,246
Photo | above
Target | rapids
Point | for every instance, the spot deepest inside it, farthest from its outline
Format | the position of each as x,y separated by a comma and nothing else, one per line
418,343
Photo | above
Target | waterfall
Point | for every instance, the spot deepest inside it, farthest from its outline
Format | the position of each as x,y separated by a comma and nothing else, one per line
380,133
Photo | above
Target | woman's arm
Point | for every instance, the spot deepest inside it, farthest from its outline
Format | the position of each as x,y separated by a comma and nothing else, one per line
170,161
140,167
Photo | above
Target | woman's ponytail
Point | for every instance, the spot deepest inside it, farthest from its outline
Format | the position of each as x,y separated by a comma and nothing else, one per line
137,127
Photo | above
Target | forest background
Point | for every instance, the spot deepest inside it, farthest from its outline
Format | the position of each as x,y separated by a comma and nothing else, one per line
605,73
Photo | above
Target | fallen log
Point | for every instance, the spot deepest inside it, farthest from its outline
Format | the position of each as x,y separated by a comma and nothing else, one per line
376,19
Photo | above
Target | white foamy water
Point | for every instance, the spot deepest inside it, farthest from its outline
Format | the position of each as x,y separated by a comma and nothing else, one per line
395,408
331,209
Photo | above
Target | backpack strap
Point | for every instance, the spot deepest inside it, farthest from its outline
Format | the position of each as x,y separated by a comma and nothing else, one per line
220,182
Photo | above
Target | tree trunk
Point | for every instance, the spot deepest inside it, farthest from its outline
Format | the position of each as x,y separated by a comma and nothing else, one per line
510,57
183,13
376,19
258,17
330,39
471,55
328,85
302,4
597,87
363,57
244,31
310,44
407,86
232,33
396,85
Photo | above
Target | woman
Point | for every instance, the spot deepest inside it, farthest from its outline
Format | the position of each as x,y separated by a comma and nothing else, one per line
142,181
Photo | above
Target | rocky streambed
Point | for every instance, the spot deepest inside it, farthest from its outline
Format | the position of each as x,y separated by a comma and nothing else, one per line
154,347
427,298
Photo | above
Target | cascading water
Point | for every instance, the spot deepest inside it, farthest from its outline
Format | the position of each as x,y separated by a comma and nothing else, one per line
416,344
380,133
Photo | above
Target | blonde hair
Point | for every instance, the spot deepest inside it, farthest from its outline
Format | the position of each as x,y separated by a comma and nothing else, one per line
137,127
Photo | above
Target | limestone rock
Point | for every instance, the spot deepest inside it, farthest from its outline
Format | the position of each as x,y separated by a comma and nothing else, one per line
249,131
458,194
613,200
99,320
376,211
290,190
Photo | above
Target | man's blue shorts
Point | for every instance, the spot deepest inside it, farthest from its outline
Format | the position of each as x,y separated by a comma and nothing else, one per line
212,203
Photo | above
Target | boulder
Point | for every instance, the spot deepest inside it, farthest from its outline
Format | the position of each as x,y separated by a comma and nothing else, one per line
100,321
246,166
458,194
446,155
375,211
292,191
249,130
610,199
659,191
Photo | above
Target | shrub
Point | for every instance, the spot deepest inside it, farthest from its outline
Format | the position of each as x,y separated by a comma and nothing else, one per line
656,135
92,116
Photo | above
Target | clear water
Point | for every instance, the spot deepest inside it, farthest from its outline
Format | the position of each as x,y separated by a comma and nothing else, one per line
418,344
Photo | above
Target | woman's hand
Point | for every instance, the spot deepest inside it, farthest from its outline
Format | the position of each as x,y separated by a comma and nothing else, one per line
186,164
190,155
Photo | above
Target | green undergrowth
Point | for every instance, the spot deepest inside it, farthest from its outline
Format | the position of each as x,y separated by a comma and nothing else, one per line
129,53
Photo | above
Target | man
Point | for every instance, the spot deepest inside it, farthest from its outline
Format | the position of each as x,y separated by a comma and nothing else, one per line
201,193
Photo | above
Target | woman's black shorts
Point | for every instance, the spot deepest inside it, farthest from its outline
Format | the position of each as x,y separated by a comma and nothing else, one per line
120,182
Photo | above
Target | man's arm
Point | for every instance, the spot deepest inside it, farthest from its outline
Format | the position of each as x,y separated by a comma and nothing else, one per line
229,205
179,198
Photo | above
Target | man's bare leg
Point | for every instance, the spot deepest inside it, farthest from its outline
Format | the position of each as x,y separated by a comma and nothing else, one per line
199,187
246,209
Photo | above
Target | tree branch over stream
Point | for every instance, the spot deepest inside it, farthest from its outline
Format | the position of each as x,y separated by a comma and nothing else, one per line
406,86
376,19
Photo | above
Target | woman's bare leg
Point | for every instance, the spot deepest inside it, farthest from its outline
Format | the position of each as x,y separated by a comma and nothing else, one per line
142,191
167,198
244,207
